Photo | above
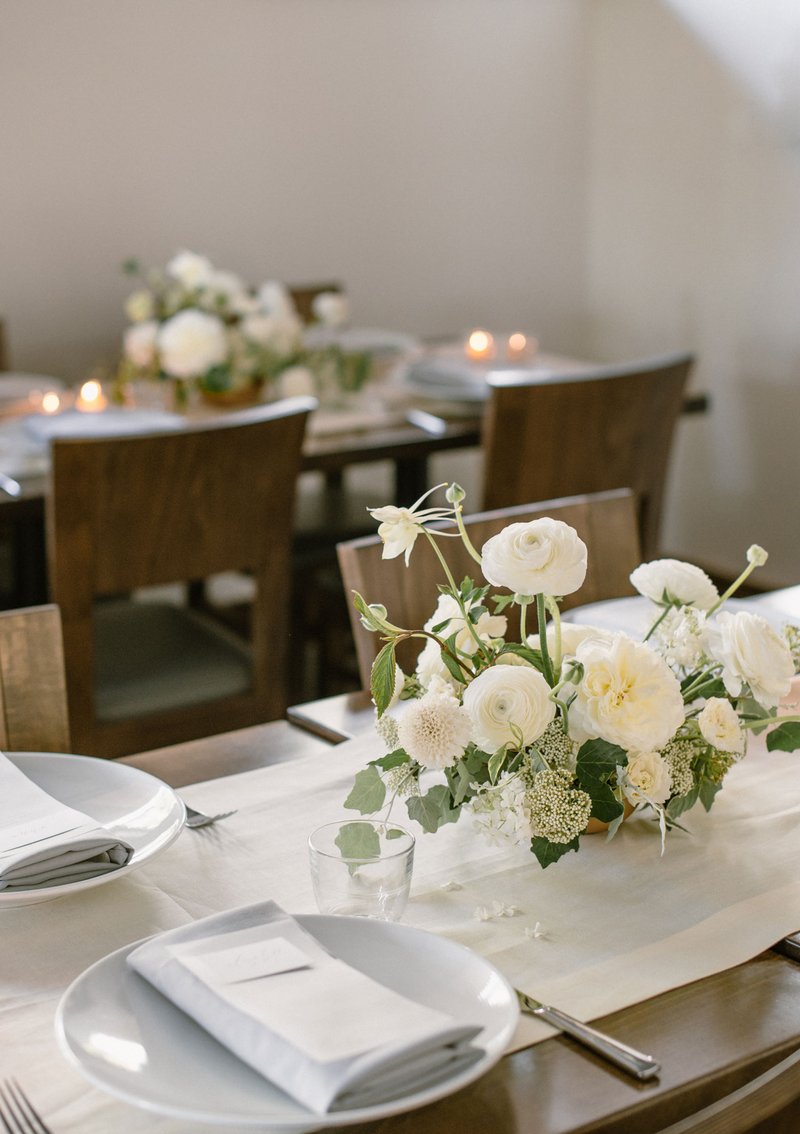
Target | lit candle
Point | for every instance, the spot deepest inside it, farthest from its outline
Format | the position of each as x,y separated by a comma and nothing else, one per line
520,348
51,403
480,346
91,398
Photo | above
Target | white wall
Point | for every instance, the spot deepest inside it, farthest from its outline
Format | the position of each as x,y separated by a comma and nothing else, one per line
429,153
695,242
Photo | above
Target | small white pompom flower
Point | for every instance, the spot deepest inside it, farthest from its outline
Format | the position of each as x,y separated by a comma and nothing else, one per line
434,730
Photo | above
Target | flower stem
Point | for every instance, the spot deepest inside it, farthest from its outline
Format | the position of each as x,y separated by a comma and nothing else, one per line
463,533
456,592
766,722
555,614
732,588
541,615
657,622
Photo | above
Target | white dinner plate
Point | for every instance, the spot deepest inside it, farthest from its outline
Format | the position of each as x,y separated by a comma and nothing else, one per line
131,804
360,339
132,1042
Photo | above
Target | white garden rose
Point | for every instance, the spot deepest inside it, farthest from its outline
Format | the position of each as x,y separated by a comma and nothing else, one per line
191,342
191,270
539,557
508,704
434,730
139,342
672,582
646,778
628,695
331,308
753,656
720,726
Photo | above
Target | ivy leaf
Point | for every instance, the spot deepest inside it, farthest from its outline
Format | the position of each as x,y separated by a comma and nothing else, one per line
547,852
597,760
784,738
433,809
368,792
358,840
383,678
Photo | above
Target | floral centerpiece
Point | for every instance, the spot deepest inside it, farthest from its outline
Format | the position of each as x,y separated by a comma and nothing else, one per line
551,737
197,325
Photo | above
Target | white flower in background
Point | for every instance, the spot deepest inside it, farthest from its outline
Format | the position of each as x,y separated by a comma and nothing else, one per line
434,730
448,611
433,674
225,285
628,695
244,303
280,333
331,308
508,704
139,343
296,381
399,527
276,300
646,778
720,727
679,637
572,634
540,557
752,655
672,582
191,342
501,813
191,270
139,306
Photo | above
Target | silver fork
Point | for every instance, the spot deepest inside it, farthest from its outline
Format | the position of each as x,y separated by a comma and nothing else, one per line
18,1115
195,819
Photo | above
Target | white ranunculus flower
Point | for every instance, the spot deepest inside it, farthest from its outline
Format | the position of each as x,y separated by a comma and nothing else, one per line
646,778
139,342
752,654
504,696
276,300
191,270
628,695
296,381
720,726
540,557
331,308
280,333
139,305
670,581
191,342
434,730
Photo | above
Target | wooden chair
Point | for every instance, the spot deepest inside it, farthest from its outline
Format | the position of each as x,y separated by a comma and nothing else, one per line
608,428
606,522
33,691
126,513
303,296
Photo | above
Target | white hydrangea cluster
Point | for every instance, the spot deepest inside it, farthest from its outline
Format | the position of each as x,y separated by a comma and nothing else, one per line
558,811
679,638
502,814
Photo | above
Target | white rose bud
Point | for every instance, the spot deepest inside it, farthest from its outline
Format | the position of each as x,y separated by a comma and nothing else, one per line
540,557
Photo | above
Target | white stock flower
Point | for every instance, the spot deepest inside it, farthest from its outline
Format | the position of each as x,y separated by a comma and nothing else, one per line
139,306
752,654
720,726
672,582
434,730
296,381
646,778
139,342
508,704
628,695
279,332
191,270
191,342
331,308
540,557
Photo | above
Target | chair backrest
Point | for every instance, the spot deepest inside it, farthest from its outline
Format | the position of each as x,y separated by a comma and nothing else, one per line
606,522
303,296
33,690
140,511
607,428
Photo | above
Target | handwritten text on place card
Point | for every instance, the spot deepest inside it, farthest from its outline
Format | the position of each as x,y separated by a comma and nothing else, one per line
246,962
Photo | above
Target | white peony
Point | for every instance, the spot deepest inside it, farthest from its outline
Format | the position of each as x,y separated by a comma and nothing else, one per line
139,342
672,582
540,557
720,726
434,730
646,778
508,704
331,308
628,695
752,655
190,270
191,342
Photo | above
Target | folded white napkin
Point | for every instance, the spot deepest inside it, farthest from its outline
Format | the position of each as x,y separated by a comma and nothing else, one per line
105,423
46,843
325,1033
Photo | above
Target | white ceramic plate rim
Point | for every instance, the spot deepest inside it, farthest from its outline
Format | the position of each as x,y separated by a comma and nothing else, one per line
494,1039
126,780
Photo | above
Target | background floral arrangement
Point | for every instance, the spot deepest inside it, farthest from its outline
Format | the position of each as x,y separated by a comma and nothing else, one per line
545,739
195,324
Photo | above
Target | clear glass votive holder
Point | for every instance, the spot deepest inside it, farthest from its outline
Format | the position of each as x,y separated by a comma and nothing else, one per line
361,867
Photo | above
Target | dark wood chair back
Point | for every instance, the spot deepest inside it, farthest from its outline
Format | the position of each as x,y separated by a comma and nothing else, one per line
303,296
607,428
125,513
33,689
606,522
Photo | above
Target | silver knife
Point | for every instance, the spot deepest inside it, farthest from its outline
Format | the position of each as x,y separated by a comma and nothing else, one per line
790,946
627,1058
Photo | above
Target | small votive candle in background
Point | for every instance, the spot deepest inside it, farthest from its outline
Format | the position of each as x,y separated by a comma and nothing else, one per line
91,398
51,402
521,348
480,346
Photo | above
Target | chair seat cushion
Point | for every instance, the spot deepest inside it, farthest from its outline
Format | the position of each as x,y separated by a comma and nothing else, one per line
154,657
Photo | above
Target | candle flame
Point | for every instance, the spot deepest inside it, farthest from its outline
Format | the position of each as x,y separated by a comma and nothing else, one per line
51,402
480,342
517,341
91,391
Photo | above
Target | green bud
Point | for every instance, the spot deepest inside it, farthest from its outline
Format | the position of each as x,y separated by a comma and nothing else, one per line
454,494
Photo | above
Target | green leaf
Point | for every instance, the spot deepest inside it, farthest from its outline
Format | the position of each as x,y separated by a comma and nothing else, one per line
547,852
452,666
358,840
383,678
476,613
501,602
368,792
707,793
680,803
784,738
495,763
605,805
597,760
391,760
394,833
433,809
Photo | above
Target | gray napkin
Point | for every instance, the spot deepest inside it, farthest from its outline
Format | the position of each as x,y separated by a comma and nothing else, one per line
325,1033
46,843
